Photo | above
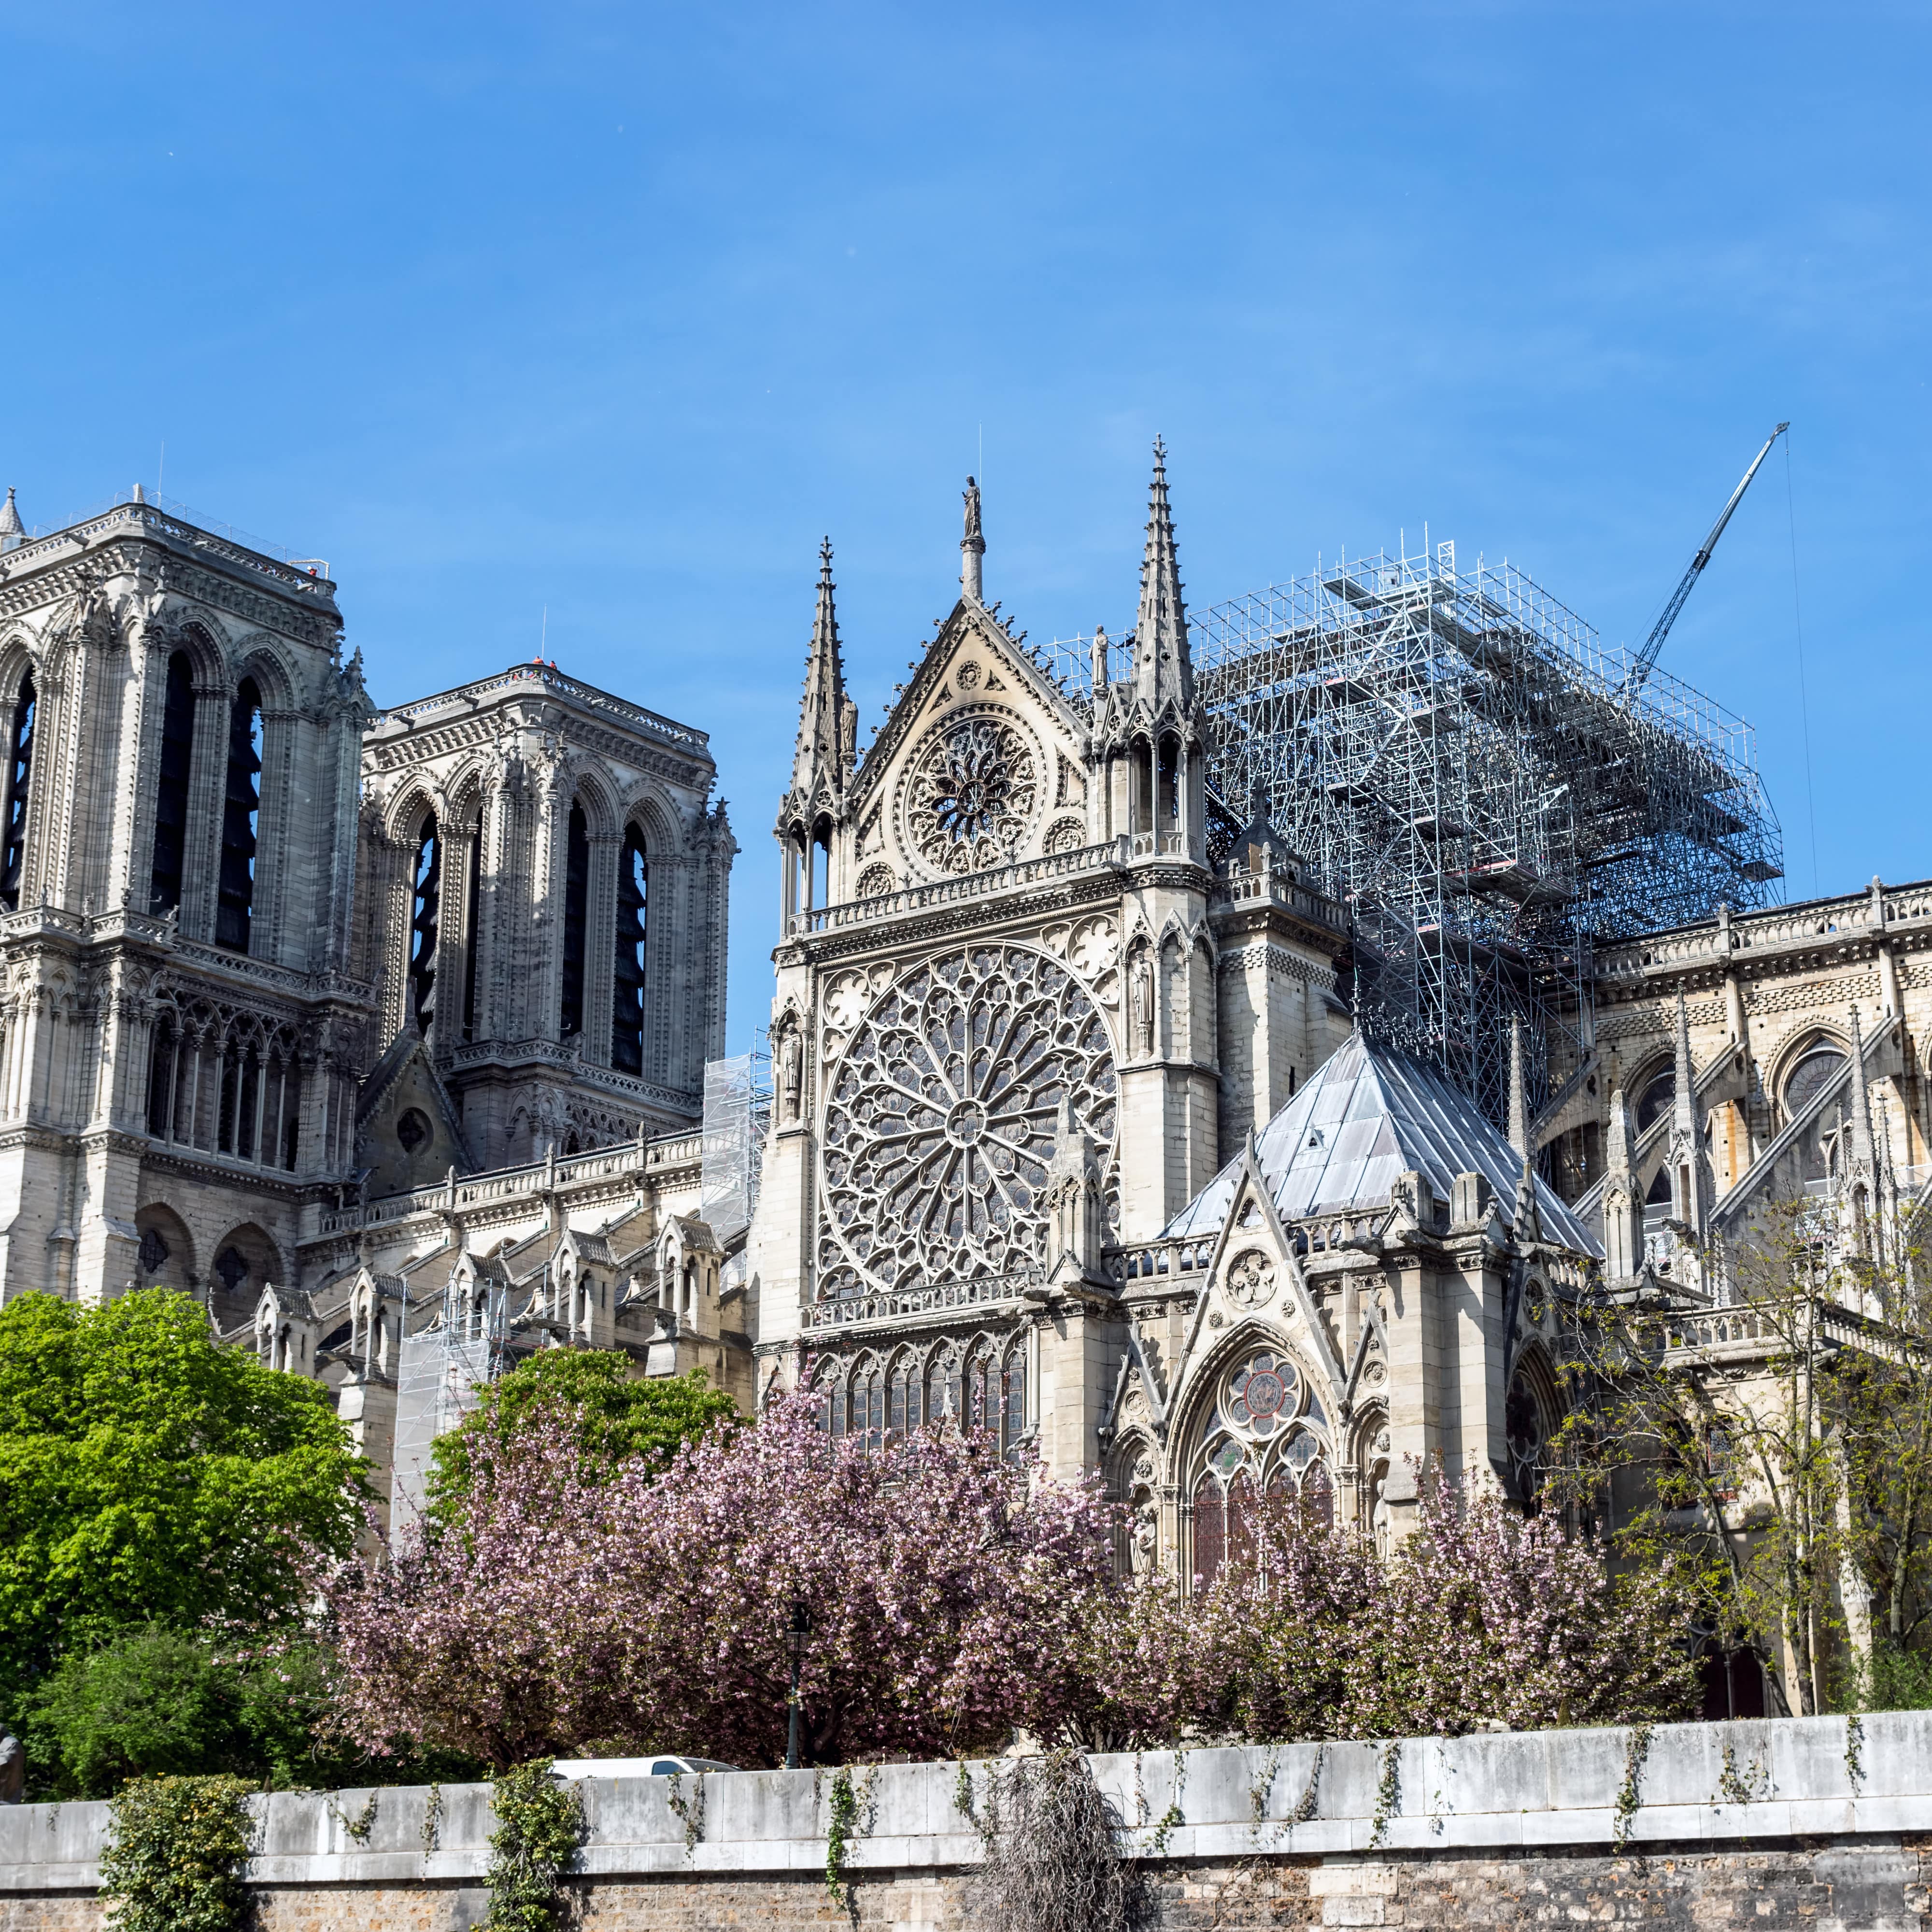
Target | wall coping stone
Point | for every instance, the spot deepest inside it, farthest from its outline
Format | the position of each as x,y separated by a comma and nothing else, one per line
1507,1791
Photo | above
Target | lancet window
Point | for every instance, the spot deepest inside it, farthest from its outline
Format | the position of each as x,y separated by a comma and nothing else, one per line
576,909
627,995
171,787
426,900
240,820
19,777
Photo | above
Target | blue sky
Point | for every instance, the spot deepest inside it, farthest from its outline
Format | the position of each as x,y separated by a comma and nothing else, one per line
612,311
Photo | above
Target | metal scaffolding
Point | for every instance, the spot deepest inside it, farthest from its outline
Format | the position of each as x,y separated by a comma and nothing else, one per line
737,1111
1460,760
440,1372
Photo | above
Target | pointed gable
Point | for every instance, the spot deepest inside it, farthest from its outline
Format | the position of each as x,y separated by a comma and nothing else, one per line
1369,1115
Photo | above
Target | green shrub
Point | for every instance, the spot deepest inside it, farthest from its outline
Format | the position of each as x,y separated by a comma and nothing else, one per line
175,1855
1901,1680
539,1826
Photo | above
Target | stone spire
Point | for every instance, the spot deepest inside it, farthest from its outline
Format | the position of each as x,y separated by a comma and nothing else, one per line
1864,1159
1163,670
972,548
1526,1224
822,721
1623,1211
12,532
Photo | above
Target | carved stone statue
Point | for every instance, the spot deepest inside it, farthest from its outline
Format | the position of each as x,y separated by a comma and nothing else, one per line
1143,1538
791,1071
1099,657
1140,987
972,508
12,1769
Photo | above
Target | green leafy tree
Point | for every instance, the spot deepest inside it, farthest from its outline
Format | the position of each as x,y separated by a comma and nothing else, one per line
617,1420
162,1702
149,1475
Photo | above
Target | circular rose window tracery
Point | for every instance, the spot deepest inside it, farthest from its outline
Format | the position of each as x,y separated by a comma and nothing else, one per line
971,796
940,1120
1263,1394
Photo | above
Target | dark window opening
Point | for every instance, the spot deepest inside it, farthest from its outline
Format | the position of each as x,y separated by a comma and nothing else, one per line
576,902
291,1116
153,1250
413,1130
161,1082
627,997
20,774
171,790
230,1100
232,1269
240,820
1170,783
473,909
251,1092
427,875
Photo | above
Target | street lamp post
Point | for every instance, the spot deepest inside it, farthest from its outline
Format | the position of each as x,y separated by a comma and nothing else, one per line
800,1630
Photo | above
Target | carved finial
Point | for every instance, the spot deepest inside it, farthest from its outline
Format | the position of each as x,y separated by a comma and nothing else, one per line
12,532
972,546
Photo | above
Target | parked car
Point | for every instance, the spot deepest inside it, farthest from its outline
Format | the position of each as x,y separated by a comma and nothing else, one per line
638,1767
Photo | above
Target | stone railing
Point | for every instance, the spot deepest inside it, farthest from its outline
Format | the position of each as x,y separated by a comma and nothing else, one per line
969,886
1877,909
1281,888
588,695
145,519
504,1183
981,1292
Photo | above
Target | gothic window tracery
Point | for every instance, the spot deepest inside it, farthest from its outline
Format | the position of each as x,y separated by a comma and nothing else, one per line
20,780
171,786
940,1122
1267,1435
627,1015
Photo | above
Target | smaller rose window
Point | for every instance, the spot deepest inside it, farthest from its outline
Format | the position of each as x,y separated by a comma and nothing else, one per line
1262,1396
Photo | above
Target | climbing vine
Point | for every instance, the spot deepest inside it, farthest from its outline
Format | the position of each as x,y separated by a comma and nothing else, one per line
176,1851
1629,1798
539,1826
1388,1791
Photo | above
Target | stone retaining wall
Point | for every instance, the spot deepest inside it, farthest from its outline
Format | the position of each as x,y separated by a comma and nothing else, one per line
1797,1823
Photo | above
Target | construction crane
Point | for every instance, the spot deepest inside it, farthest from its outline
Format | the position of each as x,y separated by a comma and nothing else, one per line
1646,659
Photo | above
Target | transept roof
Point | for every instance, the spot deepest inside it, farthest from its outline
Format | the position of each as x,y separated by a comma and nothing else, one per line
1369,1115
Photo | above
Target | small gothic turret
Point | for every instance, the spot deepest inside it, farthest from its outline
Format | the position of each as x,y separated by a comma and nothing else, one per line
12,532
1077,1224
1691,1189
1526,1223
1623,1207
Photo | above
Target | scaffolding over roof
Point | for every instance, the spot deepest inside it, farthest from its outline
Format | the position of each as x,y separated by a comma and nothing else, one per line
1461,761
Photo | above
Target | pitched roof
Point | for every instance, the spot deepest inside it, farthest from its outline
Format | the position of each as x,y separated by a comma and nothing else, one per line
1368,1115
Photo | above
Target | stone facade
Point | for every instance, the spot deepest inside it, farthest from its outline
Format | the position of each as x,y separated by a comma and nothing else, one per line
368,1026
267,953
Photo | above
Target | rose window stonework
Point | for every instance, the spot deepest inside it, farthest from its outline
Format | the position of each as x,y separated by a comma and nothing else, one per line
940,1120
972,795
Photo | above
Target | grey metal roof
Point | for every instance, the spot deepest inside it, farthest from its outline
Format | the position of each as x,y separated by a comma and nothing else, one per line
1368,1115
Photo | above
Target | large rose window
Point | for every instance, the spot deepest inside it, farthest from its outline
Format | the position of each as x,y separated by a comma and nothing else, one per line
972,794
940,1121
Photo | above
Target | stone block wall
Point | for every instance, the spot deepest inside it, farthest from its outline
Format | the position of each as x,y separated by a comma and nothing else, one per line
1794,1823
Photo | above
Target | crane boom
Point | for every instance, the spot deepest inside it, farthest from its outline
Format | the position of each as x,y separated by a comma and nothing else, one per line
1646,659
